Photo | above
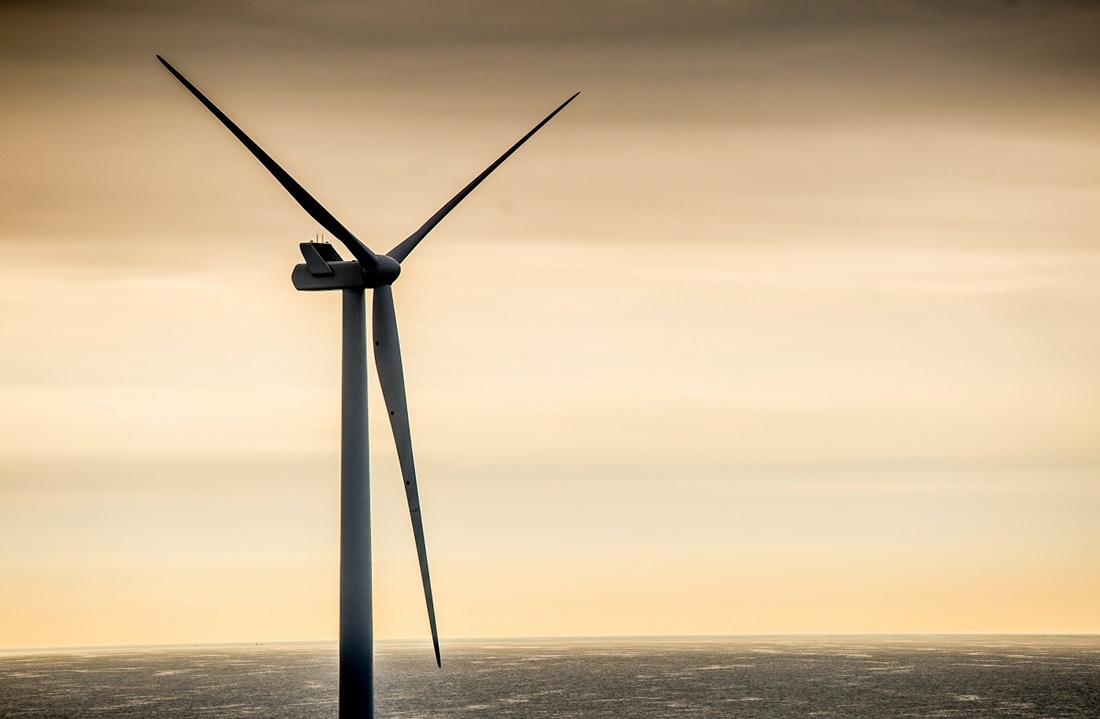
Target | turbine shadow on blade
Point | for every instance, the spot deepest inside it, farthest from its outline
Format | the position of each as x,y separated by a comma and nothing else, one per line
324,269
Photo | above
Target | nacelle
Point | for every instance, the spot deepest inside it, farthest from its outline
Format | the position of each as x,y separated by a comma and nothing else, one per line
342,275
324,269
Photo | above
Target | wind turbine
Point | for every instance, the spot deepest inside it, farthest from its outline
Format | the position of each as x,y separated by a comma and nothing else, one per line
324,269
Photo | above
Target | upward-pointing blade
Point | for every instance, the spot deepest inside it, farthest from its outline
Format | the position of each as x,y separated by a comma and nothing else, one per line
401,251
387,355
361,252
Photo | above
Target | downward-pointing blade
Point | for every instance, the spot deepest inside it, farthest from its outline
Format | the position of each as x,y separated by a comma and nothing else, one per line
361,252
387,355
401,251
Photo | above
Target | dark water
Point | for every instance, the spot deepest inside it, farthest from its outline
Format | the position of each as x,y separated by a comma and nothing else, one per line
872,678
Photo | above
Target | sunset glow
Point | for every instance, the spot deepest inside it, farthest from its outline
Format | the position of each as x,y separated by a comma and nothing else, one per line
790,324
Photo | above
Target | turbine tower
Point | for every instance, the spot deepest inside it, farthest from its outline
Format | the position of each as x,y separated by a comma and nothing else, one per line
324,269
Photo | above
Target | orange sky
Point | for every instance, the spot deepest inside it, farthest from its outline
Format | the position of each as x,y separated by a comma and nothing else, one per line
788,324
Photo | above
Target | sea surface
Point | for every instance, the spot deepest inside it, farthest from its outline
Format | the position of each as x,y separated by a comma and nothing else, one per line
788,677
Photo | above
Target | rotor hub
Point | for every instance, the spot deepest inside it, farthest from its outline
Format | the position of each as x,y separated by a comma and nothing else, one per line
387,271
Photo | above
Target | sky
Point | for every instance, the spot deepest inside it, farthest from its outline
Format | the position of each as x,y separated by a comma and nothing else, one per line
790,323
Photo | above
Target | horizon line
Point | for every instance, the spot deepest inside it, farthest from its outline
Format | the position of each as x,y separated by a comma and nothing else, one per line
543,638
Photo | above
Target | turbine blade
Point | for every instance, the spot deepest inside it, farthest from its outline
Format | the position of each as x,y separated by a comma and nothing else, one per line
387,355
323,217
401,251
